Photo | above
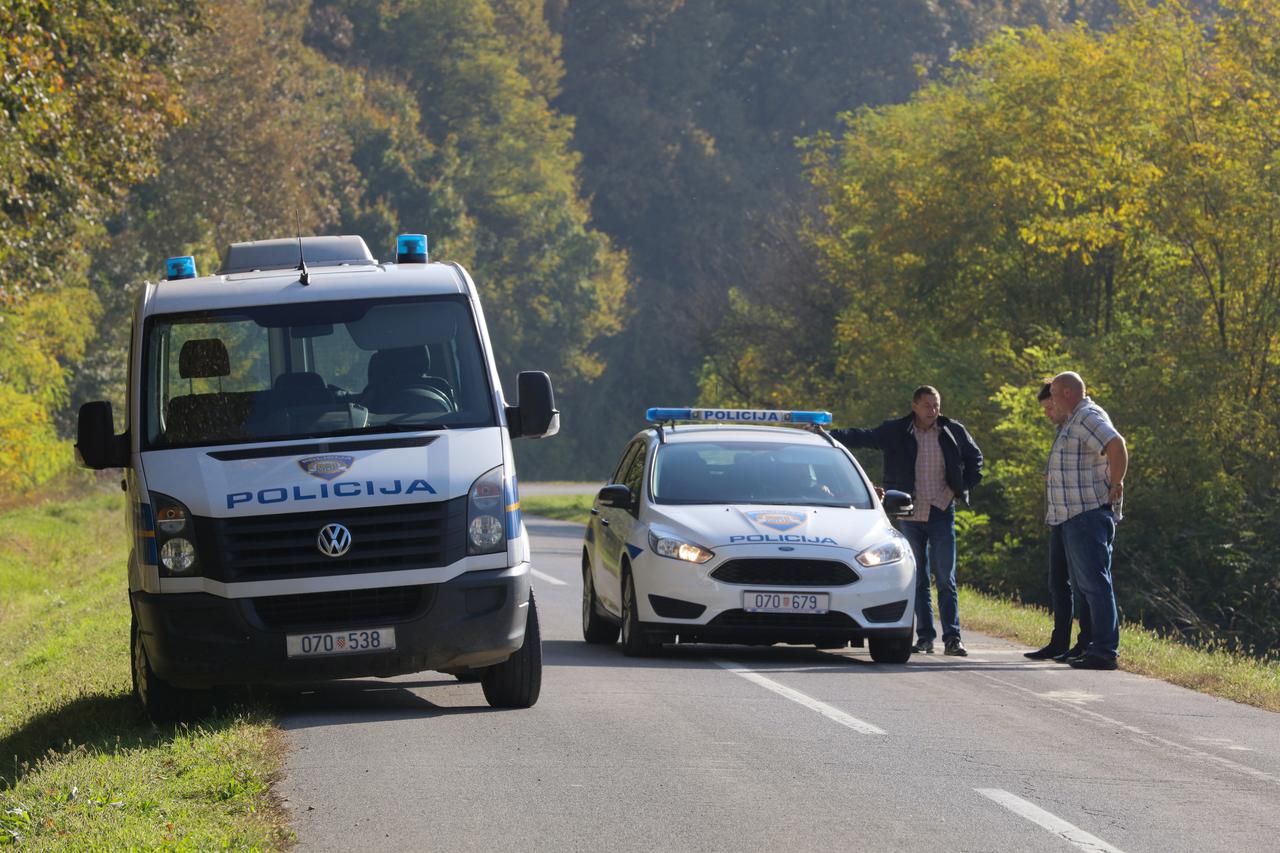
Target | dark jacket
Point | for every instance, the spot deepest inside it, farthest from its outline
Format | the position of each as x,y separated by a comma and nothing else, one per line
895,438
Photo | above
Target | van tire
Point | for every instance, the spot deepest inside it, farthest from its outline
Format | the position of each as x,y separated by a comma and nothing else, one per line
596,629
634,642
517,681
161,701
890,649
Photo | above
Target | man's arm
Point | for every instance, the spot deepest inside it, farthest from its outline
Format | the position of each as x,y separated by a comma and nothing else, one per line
971,459
853,437
1117,453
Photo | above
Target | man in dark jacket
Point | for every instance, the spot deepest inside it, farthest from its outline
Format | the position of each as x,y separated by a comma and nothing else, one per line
935,460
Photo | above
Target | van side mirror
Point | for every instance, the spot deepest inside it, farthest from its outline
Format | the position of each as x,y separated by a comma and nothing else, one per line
97,445
898,504
536,415
617,495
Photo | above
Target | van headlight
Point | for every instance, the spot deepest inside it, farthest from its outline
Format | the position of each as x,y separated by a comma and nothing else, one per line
486,528
175,531
678,549
884,553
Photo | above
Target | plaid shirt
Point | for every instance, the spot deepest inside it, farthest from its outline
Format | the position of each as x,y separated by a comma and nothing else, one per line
931,474
1077,478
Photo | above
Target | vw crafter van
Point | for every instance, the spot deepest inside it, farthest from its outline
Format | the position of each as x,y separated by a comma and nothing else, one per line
317,457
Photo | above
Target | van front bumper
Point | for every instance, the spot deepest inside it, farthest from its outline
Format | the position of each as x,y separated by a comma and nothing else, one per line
203,640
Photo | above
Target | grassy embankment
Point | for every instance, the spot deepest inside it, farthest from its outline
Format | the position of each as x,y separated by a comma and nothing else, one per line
80,767
1217,672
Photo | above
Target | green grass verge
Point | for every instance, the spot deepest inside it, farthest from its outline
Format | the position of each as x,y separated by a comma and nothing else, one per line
1215,671
563,507
80,766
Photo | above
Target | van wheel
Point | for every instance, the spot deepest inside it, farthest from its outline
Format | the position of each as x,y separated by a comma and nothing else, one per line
634,642
890,649
517,681
163,702
596,629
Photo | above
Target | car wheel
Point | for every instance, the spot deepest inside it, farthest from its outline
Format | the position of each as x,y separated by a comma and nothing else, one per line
634,642
596,629
890,649
162,702
517,681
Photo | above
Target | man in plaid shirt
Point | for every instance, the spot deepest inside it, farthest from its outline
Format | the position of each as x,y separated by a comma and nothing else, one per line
1085,486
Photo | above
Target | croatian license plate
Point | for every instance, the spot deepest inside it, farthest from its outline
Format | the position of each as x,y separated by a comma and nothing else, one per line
784,602
340,642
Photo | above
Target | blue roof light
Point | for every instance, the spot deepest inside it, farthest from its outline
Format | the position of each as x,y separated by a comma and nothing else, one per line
411,249
179,268
762,417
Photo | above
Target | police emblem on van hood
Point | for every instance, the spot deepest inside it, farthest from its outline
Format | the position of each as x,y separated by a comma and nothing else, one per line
326,467
776,519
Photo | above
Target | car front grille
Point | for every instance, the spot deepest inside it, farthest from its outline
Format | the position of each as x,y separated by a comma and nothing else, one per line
385,538
833,620
785,572
347,609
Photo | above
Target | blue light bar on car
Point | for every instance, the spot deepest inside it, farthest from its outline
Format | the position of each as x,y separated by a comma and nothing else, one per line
179,268
763,417
411,249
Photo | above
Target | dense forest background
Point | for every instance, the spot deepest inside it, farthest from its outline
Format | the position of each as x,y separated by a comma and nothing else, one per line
815,204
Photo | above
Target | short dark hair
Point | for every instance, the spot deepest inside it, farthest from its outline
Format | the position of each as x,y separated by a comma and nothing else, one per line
1046,391
925,389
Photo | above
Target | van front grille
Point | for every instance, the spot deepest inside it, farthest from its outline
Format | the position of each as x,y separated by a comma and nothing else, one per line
347,609
385,538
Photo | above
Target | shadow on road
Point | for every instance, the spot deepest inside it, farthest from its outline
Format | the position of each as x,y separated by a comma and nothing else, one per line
570,653
362,700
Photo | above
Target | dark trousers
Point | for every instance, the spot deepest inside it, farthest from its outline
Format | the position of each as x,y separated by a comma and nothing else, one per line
1065,596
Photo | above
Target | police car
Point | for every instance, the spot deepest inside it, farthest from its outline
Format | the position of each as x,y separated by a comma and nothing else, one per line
734,526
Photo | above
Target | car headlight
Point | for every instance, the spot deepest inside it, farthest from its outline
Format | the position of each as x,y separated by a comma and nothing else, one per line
174,533
884,553
678,549
486,528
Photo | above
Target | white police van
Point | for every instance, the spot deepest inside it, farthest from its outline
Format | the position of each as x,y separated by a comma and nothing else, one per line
743,529
319,473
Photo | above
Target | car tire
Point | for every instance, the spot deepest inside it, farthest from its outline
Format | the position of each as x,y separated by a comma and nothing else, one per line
890,649
517,681
161,701
596,629
634,643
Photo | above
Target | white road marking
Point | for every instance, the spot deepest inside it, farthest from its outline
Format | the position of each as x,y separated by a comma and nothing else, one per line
1137,733
1066,831
543,576
828,711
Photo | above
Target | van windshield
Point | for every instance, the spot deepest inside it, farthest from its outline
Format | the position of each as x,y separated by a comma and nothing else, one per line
739,472
313,370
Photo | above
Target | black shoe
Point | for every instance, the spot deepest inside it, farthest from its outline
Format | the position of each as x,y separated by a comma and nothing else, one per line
955,648
1073,652
1093,662
924,647
1043,654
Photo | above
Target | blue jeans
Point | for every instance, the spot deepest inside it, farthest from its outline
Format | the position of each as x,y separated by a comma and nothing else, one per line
933,543
1065,596
1087,539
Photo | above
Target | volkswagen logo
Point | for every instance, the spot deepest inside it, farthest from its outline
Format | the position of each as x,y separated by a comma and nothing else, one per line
334,540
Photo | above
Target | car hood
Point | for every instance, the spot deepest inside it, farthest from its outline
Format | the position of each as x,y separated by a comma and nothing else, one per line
746,524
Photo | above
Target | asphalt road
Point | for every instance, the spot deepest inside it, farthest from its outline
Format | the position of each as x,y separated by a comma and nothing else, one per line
728,748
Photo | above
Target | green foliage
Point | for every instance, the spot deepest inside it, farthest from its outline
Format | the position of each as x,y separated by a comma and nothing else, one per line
1071,199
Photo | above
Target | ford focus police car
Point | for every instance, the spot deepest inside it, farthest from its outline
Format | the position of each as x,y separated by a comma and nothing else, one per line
741,528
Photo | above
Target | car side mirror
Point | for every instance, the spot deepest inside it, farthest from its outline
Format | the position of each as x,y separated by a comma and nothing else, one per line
97,445
536,415
898,504
616,495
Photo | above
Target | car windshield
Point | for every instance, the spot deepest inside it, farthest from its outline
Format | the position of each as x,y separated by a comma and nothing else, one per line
758,473
313,370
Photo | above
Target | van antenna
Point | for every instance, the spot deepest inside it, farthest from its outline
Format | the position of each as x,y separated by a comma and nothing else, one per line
305,278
